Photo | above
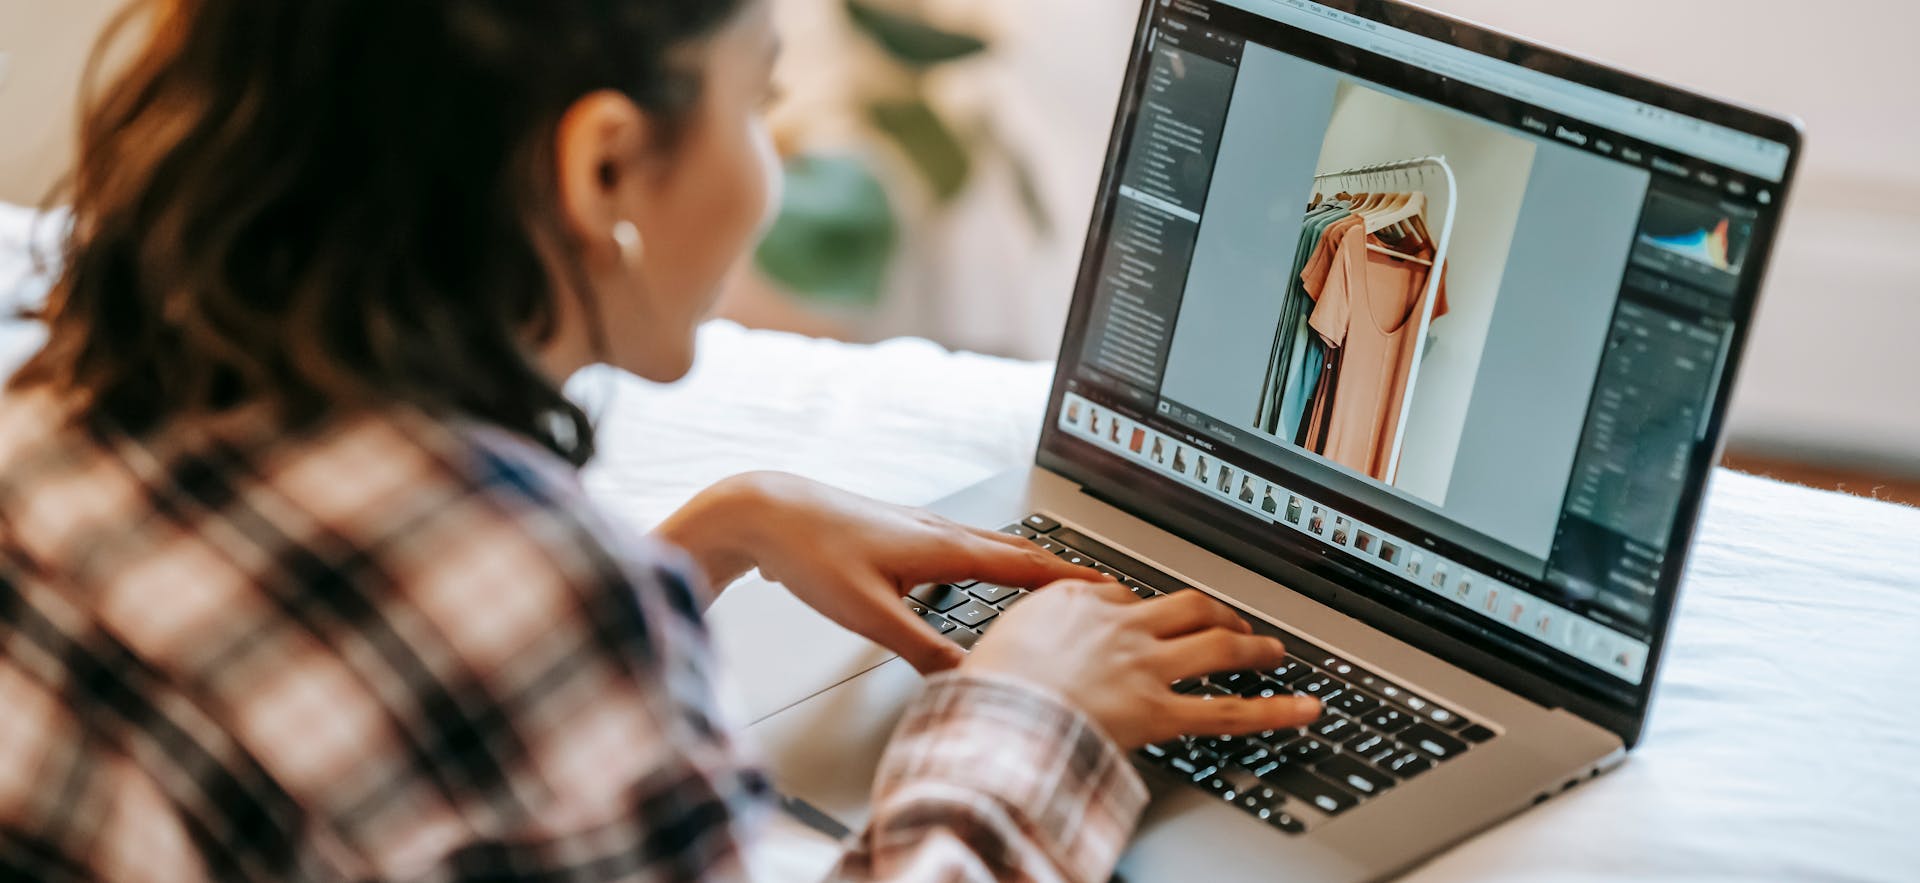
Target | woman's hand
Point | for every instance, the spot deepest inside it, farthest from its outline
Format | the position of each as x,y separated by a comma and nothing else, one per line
1114,656
852,558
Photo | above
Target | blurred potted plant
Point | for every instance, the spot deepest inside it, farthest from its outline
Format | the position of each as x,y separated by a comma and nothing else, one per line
849,207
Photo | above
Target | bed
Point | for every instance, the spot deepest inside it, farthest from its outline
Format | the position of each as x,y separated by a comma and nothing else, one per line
1785,738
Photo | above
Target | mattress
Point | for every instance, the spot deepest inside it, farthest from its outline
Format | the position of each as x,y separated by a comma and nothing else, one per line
1785,736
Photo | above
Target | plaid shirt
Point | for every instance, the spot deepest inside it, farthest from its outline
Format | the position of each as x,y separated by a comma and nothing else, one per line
398,648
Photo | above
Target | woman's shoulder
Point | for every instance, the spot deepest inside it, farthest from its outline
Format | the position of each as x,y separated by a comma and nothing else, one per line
409,491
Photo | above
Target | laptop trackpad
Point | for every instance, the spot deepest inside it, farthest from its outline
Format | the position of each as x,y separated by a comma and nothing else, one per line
779,650
826,750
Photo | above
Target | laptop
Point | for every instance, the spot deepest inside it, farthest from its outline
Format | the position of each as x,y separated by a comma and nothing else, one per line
1412,342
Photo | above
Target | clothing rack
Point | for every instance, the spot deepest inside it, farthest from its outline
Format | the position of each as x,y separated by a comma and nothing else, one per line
1424,166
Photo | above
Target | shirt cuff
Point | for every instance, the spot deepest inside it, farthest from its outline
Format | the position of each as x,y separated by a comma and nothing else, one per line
1033,753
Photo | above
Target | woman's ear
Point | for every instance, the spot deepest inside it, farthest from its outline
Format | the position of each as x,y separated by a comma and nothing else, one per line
598,151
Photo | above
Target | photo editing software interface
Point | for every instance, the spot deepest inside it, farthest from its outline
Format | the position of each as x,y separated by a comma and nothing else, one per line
1451,318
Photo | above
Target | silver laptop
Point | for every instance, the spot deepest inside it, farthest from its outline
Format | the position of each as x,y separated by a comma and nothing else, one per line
1413,342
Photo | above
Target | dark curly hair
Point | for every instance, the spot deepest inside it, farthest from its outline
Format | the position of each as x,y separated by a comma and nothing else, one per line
325,205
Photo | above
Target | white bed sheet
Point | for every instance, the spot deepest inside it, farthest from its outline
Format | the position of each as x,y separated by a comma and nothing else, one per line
1785,740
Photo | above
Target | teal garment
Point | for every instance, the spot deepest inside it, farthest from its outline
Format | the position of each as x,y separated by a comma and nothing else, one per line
1298,354
1287,340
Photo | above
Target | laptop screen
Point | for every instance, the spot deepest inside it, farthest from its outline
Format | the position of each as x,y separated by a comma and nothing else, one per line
1442,326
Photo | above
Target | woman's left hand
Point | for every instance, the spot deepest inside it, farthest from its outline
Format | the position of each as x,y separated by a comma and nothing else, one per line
852,558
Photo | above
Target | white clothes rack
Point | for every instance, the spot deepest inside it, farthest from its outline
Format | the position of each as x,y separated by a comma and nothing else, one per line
1380,176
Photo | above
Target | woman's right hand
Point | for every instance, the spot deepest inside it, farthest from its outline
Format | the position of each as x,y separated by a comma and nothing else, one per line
1115,657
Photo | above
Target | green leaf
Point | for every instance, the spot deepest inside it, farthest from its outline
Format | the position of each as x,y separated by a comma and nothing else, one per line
928,142
836,233
909,39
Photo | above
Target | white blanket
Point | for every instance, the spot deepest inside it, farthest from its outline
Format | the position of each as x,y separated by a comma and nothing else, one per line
1785,740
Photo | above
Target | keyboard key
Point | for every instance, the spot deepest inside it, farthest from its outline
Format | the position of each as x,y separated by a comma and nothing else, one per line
1355,703
1013,599
1135,570
1237,782
1075,558
1142,592
1359,777
1047,545
918,608
1342,669
1233,680
1154,752
1187,685
1372,746
1306,749
1387,720
1041,523
1294,670
1253,758
939,598
1407,764
1318,685
972,614
1202,774
1324,795
964,637
991,593
1262,688
1334,728
1283,820
1019,530
1441,717
1431,741
1476,734
938,622
1260,796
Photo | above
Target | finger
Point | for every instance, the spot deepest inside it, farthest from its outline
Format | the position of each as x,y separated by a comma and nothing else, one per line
1182,613
893,626
1107,590
1021,565
1234,716
1217,650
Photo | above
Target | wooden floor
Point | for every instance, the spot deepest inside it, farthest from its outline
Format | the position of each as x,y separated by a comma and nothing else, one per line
1895,489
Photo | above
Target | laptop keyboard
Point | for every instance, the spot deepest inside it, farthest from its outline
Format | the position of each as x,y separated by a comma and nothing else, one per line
1374,735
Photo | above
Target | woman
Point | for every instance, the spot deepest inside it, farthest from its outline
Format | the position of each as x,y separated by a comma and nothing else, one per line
298,579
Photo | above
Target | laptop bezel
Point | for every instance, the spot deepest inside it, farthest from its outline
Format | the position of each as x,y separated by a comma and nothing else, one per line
1175,508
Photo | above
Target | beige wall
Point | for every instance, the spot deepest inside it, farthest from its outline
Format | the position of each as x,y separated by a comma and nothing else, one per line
46,44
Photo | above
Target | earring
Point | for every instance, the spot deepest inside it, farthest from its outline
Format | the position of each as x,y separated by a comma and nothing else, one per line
632,250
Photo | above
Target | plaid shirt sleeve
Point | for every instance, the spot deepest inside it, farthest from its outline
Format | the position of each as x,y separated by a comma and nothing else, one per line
990,779
402,653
